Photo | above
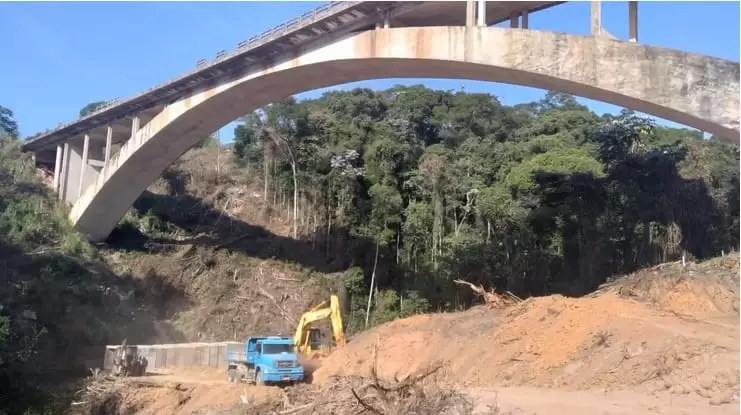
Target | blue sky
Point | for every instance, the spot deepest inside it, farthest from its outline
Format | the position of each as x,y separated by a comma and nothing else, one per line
58,57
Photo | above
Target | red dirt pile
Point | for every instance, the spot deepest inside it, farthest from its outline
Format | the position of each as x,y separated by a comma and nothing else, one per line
608,340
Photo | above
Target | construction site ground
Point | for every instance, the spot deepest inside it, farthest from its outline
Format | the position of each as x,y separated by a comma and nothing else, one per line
664,340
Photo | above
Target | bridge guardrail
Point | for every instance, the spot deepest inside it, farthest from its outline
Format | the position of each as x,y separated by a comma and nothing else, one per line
311,17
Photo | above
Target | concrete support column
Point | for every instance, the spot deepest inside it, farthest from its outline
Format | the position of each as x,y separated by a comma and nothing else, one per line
108,139
65,172
386,20
595,14
525,23
134,126
470,13
514,20
481,15
633,21
57,167
84,164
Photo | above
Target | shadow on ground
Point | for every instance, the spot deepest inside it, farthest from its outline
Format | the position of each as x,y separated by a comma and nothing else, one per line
68,310
214,228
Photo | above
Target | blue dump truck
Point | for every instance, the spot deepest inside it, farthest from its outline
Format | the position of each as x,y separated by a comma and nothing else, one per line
264,360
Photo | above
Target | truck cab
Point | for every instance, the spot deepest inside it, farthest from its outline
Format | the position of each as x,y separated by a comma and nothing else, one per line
264,359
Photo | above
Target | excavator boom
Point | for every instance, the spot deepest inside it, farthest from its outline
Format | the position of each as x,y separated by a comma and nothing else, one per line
302,339
336,317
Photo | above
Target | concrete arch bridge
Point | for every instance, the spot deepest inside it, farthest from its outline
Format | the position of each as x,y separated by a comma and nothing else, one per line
363,41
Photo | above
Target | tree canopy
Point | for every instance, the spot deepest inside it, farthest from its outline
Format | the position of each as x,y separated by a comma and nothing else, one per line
8,125
91,108
536,198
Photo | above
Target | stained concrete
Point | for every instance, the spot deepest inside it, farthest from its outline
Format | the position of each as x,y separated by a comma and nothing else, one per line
691,89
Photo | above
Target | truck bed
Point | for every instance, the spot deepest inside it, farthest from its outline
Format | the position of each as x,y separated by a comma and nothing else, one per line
235,352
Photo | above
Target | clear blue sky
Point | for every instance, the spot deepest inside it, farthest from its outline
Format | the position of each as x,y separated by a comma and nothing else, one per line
58,57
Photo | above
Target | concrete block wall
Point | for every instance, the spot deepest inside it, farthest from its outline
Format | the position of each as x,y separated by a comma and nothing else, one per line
162,356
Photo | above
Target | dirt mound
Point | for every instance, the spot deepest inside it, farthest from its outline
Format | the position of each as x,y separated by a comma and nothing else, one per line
703,289
412,394
166,394
605,341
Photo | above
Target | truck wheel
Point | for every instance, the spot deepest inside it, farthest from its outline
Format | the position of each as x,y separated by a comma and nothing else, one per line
231,375
258,379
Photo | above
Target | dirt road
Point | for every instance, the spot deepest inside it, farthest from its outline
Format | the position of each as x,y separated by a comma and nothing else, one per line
188,391
541,401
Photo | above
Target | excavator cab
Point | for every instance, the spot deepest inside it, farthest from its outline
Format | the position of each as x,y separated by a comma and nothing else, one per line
316,338
309,340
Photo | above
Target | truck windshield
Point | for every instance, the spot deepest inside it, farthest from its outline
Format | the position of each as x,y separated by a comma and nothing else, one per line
277,348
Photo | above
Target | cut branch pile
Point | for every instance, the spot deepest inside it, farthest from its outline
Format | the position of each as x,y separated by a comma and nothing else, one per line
417,393
413,394
491,298
101,394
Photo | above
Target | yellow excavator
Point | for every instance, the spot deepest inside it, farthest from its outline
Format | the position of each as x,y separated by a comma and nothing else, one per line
308,339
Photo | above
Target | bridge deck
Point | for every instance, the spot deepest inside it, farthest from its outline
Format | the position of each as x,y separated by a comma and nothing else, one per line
332,18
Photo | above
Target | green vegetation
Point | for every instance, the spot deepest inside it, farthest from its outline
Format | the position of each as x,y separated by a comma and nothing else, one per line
58,302
416,187
405,190
91,108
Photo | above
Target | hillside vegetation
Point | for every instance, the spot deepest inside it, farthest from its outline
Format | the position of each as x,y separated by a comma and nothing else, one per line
416,187
394,193
58,301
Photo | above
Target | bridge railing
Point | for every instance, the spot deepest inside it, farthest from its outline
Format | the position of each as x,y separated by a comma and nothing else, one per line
253,42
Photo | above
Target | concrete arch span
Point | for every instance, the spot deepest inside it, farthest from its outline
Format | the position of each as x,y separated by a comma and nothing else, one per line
691,89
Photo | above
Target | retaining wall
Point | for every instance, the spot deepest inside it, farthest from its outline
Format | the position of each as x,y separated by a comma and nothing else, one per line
177,355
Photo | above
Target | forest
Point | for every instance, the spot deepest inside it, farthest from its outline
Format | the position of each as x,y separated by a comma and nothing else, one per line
415,187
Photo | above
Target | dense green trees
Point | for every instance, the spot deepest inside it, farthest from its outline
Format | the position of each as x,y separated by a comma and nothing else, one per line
8,125
91,108
418,187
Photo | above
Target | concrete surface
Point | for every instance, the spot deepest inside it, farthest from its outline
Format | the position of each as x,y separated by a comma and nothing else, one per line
328,20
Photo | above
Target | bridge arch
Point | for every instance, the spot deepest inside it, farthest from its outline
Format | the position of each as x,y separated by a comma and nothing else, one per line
691,89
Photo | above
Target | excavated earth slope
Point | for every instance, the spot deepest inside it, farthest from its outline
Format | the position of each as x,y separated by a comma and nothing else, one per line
662,340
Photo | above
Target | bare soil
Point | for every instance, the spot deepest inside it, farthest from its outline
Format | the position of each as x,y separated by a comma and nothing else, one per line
662,340
685,340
